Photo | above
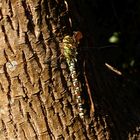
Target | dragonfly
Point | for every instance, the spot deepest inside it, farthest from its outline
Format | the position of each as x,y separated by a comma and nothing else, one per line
70,46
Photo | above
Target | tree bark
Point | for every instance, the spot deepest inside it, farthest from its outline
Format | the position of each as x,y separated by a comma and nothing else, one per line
36,99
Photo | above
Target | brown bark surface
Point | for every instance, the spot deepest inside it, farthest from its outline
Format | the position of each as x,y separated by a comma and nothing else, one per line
36,102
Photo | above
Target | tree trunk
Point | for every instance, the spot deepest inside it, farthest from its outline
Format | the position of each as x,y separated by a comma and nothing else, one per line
36,98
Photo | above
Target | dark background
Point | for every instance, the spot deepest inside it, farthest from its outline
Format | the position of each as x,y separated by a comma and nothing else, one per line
100,19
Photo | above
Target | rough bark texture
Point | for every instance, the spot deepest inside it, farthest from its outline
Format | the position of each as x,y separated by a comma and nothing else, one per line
36,102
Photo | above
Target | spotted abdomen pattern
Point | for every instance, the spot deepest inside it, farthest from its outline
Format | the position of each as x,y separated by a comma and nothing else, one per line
70,53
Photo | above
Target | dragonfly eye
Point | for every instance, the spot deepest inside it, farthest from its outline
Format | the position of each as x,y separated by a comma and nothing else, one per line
78,36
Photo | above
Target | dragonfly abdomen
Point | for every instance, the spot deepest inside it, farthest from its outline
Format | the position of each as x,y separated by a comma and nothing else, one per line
70,53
